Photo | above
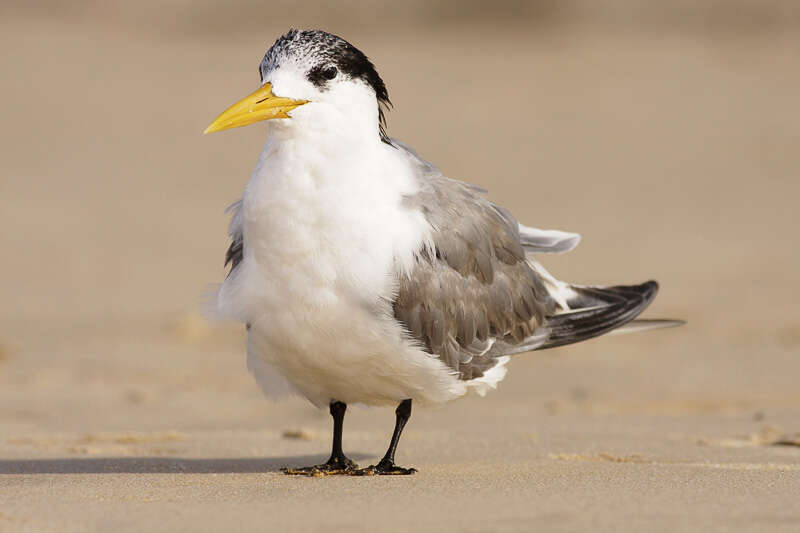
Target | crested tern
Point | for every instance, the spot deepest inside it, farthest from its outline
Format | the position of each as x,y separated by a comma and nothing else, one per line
364,275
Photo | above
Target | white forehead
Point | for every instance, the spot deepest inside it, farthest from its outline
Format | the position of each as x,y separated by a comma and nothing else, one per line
289,68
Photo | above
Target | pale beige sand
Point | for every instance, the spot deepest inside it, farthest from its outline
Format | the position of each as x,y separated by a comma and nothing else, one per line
673,149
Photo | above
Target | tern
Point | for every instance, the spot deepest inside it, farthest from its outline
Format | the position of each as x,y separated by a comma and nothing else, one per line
364,275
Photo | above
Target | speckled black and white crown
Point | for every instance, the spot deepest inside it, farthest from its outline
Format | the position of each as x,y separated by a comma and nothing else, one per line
322,50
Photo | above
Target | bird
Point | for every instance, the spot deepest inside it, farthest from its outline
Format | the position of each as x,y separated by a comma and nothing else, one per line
364,275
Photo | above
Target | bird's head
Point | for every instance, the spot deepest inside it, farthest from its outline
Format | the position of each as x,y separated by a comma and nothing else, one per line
325,83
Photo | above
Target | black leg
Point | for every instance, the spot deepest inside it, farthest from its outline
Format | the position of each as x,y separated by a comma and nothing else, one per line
386,465
338,463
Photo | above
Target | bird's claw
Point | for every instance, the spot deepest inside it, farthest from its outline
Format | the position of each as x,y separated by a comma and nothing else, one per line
384,468
336,466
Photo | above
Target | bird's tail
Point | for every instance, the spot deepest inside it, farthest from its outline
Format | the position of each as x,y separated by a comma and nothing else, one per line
593,311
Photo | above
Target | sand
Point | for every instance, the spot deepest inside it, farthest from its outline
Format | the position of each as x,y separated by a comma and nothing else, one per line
671,147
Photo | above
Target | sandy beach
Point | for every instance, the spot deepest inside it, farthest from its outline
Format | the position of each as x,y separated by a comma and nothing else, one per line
672,147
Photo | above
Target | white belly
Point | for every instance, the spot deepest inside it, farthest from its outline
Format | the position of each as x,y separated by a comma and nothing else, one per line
347,356
316,282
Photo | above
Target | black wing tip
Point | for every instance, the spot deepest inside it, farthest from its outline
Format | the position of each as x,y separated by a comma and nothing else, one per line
599,310
650,288
647,290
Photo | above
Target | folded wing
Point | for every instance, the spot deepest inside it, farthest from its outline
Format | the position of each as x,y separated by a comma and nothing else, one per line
475,297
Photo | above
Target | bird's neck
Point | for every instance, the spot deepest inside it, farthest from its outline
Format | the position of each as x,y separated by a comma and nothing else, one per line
335,165
327,127
321,208
326,152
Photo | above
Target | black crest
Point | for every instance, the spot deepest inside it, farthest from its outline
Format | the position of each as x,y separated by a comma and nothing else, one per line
326,50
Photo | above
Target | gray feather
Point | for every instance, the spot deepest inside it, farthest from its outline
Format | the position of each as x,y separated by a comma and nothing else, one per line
235,252
476,290
476,297
644,324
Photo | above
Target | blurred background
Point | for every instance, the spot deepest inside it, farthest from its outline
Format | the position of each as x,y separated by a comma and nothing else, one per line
666,133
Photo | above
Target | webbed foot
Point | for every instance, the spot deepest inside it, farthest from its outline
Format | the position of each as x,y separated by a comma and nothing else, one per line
384,468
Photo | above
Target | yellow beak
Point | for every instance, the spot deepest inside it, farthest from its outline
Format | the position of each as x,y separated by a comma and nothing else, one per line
260,105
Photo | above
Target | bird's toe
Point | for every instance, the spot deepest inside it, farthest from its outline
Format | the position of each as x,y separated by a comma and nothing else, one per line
334,466
384,468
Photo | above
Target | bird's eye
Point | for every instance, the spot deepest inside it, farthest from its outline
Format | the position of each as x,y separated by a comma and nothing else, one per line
329,73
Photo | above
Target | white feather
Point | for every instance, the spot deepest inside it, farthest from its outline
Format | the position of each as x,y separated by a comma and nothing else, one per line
317,275
550,241
326,234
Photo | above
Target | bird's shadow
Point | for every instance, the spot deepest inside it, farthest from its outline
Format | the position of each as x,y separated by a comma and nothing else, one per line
159,465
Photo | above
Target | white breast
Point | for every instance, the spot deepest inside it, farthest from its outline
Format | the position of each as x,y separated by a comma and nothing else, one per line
323,245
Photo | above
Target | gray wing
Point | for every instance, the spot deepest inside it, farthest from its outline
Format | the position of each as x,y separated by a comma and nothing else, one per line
474,297
235,251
